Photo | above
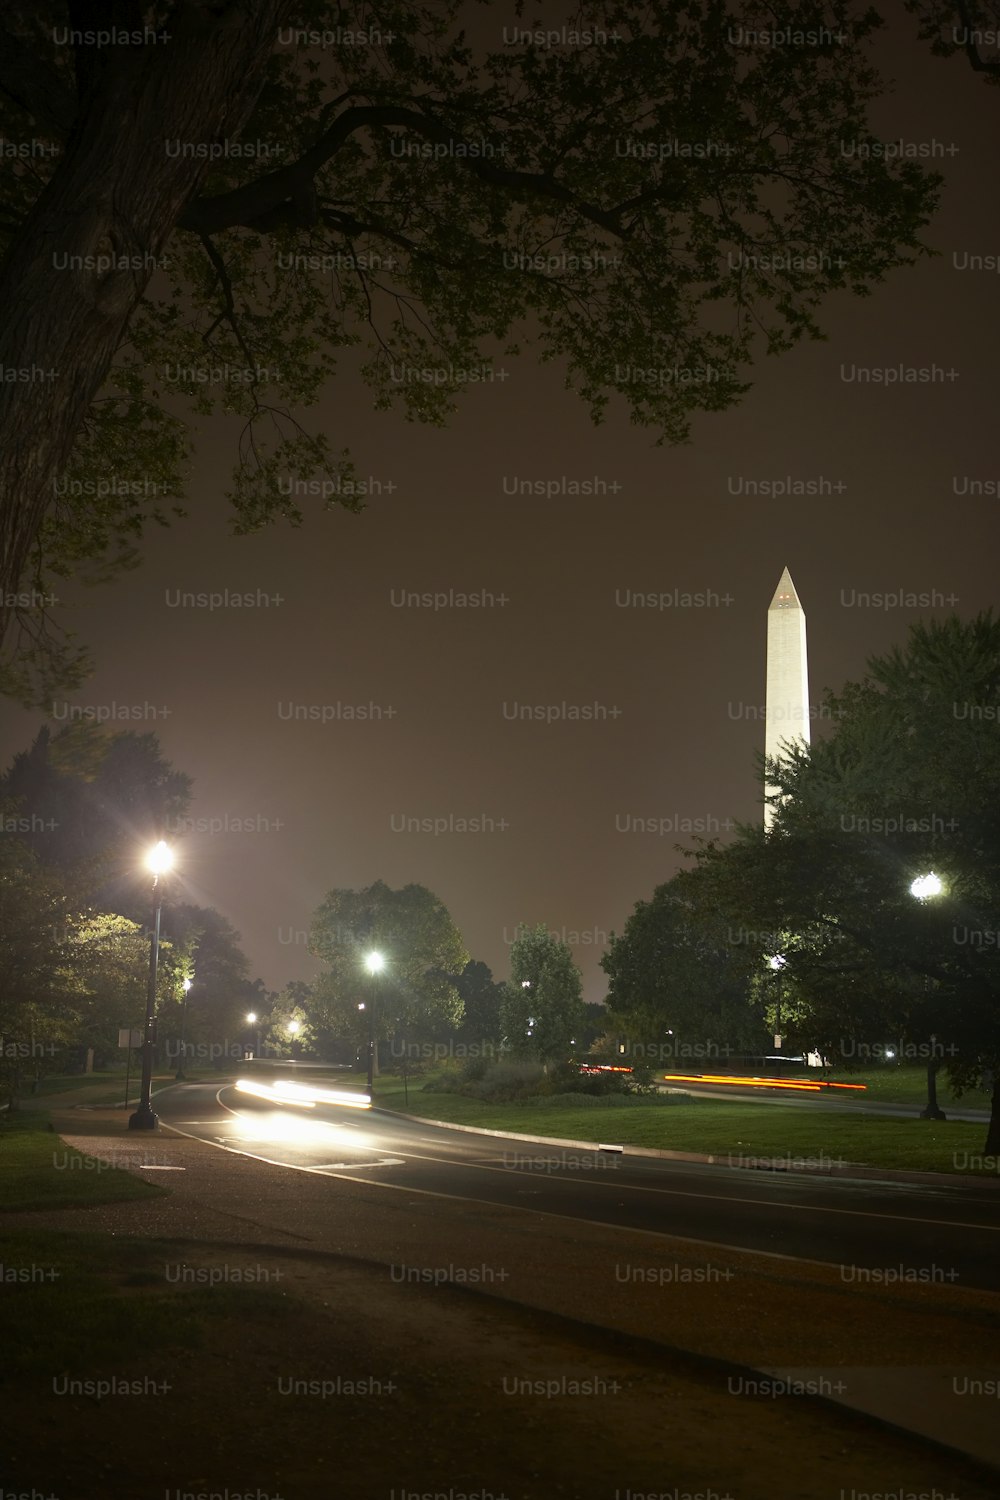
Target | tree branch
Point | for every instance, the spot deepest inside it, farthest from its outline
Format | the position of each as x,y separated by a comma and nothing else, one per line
34,86
977,63
286,197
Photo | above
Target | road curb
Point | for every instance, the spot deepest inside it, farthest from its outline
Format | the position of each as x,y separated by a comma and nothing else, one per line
773,1165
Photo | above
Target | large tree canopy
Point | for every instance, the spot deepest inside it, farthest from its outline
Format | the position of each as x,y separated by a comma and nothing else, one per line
908,783
90,803
421,948
684,986
542,1010
206,218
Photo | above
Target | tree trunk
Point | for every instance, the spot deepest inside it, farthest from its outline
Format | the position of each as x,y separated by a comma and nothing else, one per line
116,192
992,1147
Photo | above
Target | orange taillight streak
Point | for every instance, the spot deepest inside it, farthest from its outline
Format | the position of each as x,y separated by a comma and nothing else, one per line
802,1086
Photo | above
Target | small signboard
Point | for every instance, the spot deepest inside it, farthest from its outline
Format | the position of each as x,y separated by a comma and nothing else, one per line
130,1038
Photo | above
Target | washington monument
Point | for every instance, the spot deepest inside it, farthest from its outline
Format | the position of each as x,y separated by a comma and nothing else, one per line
787,696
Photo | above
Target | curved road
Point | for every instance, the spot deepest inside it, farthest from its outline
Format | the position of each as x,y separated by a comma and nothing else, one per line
947,1234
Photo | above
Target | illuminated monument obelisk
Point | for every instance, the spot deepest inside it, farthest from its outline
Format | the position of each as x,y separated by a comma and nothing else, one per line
787,706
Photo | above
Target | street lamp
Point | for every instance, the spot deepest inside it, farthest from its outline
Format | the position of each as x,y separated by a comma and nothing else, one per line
252,1020
374,963
158,861
180,1075
776,964
924,888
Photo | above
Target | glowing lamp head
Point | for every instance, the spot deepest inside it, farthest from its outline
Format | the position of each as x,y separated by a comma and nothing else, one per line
374,963
159,859
926,886
778,961
251,1016
294,1026
185,985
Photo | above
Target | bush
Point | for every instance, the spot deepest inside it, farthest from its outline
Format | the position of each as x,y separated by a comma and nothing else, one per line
496,1083
513,1080
567,1079
446,1077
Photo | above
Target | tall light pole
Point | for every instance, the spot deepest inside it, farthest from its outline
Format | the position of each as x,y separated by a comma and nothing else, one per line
159,861
252,1019
925,888
180,1074
374,963
776,964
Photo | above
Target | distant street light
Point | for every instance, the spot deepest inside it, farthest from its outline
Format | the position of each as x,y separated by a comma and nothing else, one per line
180,1074
252,1019
924,888
159,860
374,963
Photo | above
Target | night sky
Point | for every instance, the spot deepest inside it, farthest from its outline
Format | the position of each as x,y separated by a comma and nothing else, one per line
678,688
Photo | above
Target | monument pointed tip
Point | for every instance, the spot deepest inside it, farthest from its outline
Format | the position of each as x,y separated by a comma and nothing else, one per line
785,596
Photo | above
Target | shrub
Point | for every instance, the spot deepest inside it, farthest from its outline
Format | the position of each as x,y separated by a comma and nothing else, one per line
497,1082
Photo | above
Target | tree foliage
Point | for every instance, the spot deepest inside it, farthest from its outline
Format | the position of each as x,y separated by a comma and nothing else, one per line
70,976
481,997
908,782
422,950
969,29
542,1008
79,808
652,212
684,983
207,952
87,801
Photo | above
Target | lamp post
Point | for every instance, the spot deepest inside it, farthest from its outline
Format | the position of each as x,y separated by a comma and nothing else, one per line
159,861
294,1027
180,1074
925,888
776,964
374,963
252,1020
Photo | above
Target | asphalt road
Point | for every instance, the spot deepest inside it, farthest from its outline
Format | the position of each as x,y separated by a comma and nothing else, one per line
947,1234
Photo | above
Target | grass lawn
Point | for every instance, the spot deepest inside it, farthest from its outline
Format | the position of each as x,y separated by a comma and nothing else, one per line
683,1123
101,1089
904,1085
93,1088
96,1296
38,1170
